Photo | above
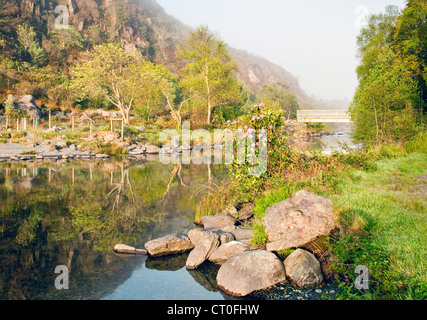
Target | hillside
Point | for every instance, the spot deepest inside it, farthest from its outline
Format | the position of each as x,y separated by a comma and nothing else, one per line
139,25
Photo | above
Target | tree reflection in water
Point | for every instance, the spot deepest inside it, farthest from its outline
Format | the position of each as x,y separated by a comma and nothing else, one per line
74,213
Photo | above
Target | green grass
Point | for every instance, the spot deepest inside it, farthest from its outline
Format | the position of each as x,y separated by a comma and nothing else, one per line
387,208
262,204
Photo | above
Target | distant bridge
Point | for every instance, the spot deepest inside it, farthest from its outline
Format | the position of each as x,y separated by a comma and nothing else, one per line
323,116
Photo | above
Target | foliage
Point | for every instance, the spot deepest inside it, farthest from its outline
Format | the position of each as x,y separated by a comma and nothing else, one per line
260,129
27,38
383,226
209,73
390,102
419,144
352,251
278,96
112,73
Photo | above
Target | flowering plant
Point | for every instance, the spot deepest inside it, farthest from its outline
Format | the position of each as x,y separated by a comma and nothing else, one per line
259,133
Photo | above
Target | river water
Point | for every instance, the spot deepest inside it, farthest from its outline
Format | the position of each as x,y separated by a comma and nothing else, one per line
73,213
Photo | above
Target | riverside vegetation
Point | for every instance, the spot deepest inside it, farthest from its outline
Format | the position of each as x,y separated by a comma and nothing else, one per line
378,191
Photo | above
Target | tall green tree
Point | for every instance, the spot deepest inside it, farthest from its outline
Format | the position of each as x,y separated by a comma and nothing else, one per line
209,75
388,97
410,43
29,44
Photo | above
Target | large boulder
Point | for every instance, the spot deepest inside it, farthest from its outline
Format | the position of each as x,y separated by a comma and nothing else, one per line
25,103
297,221
219,221
171,244
204,249
250,271
150,149
303,269
227,251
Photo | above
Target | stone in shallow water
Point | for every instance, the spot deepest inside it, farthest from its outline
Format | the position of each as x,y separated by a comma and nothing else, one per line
171,244
227,251
205,247
122,248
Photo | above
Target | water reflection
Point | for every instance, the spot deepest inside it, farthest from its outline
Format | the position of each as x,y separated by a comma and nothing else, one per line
327,144
74,213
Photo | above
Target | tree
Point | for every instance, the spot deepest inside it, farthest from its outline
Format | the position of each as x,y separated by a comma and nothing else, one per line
112,73
384,97
209,73
65,43
410,43
386,102
27,39
277,96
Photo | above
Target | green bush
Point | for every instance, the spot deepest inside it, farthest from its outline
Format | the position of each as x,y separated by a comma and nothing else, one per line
418,144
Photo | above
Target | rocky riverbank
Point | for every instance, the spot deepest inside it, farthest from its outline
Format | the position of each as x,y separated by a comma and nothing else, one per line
291,265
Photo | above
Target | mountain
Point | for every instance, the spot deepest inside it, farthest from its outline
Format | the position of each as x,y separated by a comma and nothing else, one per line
139,25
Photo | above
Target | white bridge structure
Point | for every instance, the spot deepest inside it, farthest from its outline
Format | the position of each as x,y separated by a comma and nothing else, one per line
323,116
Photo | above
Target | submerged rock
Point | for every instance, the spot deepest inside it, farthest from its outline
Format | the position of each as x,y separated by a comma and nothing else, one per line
297,221
168,245
303,269
250,271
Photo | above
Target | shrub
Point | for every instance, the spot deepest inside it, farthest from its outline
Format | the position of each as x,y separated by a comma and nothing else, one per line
418,144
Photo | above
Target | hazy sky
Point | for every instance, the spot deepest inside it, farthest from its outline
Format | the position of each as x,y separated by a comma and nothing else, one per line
315,40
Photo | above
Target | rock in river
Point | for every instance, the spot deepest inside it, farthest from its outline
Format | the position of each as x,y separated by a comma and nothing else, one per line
250,271
227,251
171,244
205,247
122,248
219,221
303,269
297,221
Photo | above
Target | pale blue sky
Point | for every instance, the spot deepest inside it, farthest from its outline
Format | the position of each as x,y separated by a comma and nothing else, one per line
315,40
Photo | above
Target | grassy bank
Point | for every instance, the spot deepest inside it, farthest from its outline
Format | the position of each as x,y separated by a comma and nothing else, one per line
380,205
384,226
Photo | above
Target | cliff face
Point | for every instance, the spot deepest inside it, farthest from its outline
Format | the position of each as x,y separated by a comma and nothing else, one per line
139,25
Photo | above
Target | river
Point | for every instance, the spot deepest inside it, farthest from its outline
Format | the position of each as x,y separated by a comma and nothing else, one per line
74,213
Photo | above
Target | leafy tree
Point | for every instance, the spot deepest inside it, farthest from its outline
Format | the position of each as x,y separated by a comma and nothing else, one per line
209,73
278,96
27,39
410,43
65,44
119,77
388,97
